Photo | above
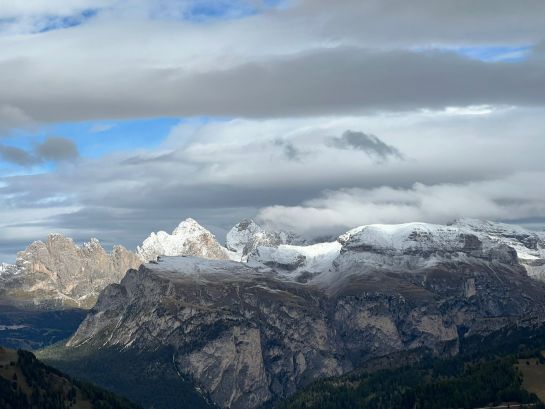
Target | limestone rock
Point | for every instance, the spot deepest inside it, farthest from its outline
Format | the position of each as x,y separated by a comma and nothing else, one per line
58,272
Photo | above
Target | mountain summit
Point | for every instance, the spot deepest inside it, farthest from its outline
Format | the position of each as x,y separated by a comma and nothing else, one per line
58,272
247,235
188,239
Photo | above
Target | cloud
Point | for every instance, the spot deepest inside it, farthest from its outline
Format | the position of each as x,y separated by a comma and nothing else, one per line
12,117
53,148
56,148
369,144
291,152
338,60
202,171
516,197
489,21
15,155
339,81
101,127
392,68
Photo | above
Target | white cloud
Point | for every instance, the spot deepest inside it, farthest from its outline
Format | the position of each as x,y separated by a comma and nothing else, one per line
309,58
518,196
454,164
14,9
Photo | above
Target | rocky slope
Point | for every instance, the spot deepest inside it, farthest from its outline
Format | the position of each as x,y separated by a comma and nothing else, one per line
188,239
529,245
249,333
58,272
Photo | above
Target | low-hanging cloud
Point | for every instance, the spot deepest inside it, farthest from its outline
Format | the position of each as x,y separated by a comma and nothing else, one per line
517,197
370,144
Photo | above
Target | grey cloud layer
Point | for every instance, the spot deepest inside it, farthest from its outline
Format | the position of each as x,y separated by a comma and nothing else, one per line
514,198
324,82
370,144
341,58
205,173
54,148
16,155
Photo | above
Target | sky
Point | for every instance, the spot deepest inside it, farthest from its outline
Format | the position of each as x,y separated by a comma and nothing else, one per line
118,118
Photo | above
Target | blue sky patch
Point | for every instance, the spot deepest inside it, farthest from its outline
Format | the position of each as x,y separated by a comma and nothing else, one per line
56,23
95,139
496,53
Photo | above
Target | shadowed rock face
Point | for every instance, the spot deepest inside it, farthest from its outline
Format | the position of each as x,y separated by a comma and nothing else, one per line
60,273
247,333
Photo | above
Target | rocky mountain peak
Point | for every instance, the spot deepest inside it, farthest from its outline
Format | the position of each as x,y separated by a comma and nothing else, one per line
241,234
58,271
247,235
188,239
189,227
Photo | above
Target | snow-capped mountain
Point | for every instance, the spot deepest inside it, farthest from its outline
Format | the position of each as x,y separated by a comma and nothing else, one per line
188,239
251,332
408,247
247,235
529,245
192,239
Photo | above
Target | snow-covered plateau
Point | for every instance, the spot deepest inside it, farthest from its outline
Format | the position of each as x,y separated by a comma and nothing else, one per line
397,247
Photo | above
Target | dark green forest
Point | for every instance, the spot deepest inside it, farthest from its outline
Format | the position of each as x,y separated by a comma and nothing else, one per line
33,385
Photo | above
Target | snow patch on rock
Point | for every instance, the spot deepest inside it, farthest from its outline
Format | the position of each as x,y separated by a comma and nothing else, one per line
297,262
529,245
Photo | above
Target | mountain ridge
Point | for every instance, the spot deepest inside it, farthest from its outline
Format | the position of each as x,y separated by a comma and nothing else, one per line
58,272
252,332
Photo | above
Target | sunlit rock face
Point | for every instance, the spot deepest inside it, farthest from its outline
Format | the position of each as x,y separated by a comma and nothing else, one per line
252,332
59,273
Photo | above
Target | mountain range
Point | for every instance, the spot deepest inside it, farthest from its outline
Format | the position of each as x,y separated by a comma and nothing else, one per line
249,323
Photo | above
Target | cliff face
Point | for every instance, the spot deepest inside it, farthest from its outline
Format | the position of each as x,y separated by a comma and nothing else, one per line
60,273
248,333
